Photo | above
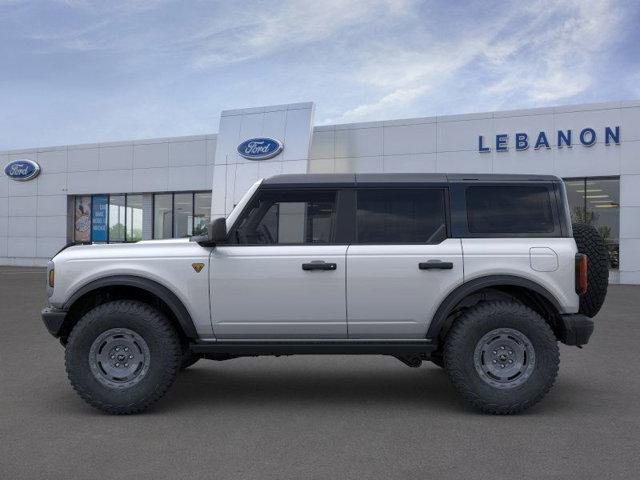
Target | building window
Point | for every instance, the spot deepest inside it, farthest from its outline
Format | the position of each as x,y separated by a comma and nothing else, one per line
182,214
108,218
596,202
82,219
117,218
201,212
162,215
134,218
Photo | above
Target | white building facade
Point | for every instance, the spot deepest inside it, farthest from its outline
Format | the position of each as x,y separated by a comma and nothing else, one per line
171,187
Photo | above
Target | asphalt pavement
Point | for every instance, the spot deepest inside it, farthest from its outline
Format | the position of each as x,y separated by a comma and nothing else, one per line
319,417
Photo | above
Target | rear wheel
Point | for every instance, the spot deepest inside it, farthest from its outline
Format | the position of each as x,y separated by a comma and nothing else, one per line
502,357
122,356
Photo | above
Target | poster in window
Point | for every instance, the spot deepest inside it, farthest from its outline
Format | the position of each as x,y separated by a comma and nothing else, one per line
82,220
99,209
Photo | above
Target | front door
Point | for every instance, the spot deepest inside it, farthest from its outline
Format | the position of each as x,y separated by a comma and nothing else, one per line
280,274
401,264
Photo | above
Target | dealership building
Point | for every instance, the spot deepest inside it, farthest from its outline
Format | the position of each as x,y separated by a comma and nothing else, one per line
171,187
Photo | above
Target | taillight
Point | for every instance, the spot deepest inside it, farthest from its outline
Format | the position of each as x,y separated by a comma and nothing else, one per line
581,273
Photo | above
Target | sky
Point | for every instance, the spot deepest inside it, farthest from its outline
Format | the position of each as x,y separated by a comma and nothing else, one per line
80,71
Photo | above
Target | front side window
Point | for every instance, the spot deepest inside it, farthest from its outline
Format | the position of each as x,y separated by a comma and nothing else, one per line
401,216
288,218
512,209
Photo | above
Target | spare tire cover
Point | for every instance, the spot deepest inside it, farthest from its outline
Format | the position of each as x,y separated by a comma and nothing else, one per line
591,243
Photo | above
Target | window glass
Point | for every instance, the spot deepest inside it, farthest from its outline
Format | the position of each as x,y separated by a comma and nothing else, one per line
596,202
116,218
288,218
99,214
162,215
134,218
82,219
509,209
183,215
401,216
201,213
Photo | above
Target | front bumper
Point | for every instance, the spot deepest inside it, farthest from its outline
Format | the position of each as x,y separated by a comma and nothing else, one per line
53,319
576,329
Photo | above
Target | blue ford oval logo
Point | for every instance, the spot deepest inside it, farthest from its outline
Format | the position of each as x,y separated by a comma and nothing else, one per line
260,148
22,170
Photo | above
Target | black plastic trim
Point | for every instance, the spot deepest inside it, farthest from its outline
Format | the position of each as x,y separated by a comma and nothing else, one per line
438,323
167,296
53,319
323,347
576,329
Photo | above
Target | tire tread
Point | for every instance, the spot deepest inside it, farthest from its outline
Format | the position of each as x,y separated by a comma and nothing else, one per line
165,331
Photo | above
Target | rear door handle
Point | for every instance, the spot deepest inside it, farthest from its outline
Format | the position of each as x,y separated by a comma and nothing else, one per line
435,265
319,265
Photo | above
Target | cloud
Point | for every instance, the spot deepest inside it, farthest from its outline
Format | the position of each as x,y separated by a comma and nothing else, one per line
256,32
542,52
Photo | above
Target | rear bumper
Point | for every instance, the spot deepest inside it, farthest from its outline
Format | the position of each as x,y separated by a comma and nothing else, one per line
53,319
576,329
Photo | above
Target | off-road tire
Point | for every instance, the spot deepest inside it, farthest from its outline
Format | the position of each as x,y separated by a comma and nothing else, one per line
471,327
591,243
164,356
188,358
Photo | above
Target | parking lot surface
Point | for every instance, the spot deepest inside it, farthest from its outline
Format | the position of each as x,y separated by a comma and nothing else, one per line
317,417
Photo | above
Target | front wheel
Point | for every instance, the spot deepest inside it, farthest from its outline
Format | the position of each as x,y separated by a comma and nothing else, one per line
122,356
502,357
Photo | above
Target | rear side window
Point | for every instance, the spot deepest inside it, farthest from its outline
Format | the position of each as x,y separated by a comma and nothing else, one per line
400,216
509,209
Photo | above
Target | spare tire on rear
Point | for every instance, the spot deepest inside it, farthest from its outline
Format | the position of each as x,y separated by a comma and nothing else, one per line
591,243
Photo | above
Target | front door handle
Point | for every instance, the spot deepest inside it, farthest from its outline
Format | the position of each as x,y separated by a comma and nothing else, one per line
435,265
319,265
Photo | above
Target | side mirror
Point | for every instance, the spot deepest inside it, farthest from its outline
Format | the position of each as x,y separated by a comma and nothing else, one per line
217,231
216,234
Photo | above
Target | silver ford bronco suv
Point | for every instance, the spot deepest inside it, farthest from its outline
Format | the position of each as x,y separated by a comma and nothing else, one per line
480,274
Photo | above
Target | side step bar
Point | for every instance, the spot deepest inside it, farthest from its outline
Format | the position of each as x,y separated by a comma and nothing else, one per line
321,347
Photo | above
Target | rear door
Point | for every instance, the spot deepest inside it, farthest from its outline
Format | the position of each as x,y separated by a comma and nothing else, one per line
402,263
281,274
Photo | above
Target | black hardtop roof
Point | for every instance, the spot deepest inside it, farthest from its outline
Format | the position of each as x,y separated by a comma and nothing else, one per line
370,179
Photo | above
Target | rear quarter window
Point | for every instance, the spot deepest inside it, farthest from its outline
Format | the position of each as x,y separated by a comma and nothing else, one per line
509,209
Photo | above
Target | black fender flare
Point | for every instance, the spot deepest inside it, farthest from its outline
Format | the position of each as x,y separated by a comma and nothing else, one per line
163,293
438,322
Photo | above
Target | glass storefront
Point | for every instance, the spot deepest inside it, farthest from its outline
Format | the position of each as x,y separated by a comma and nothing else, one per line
596,202
183,214
118,218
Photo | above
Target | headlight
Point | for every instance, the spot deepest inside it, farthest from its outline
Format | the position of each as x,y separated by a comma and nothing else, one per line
52,278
